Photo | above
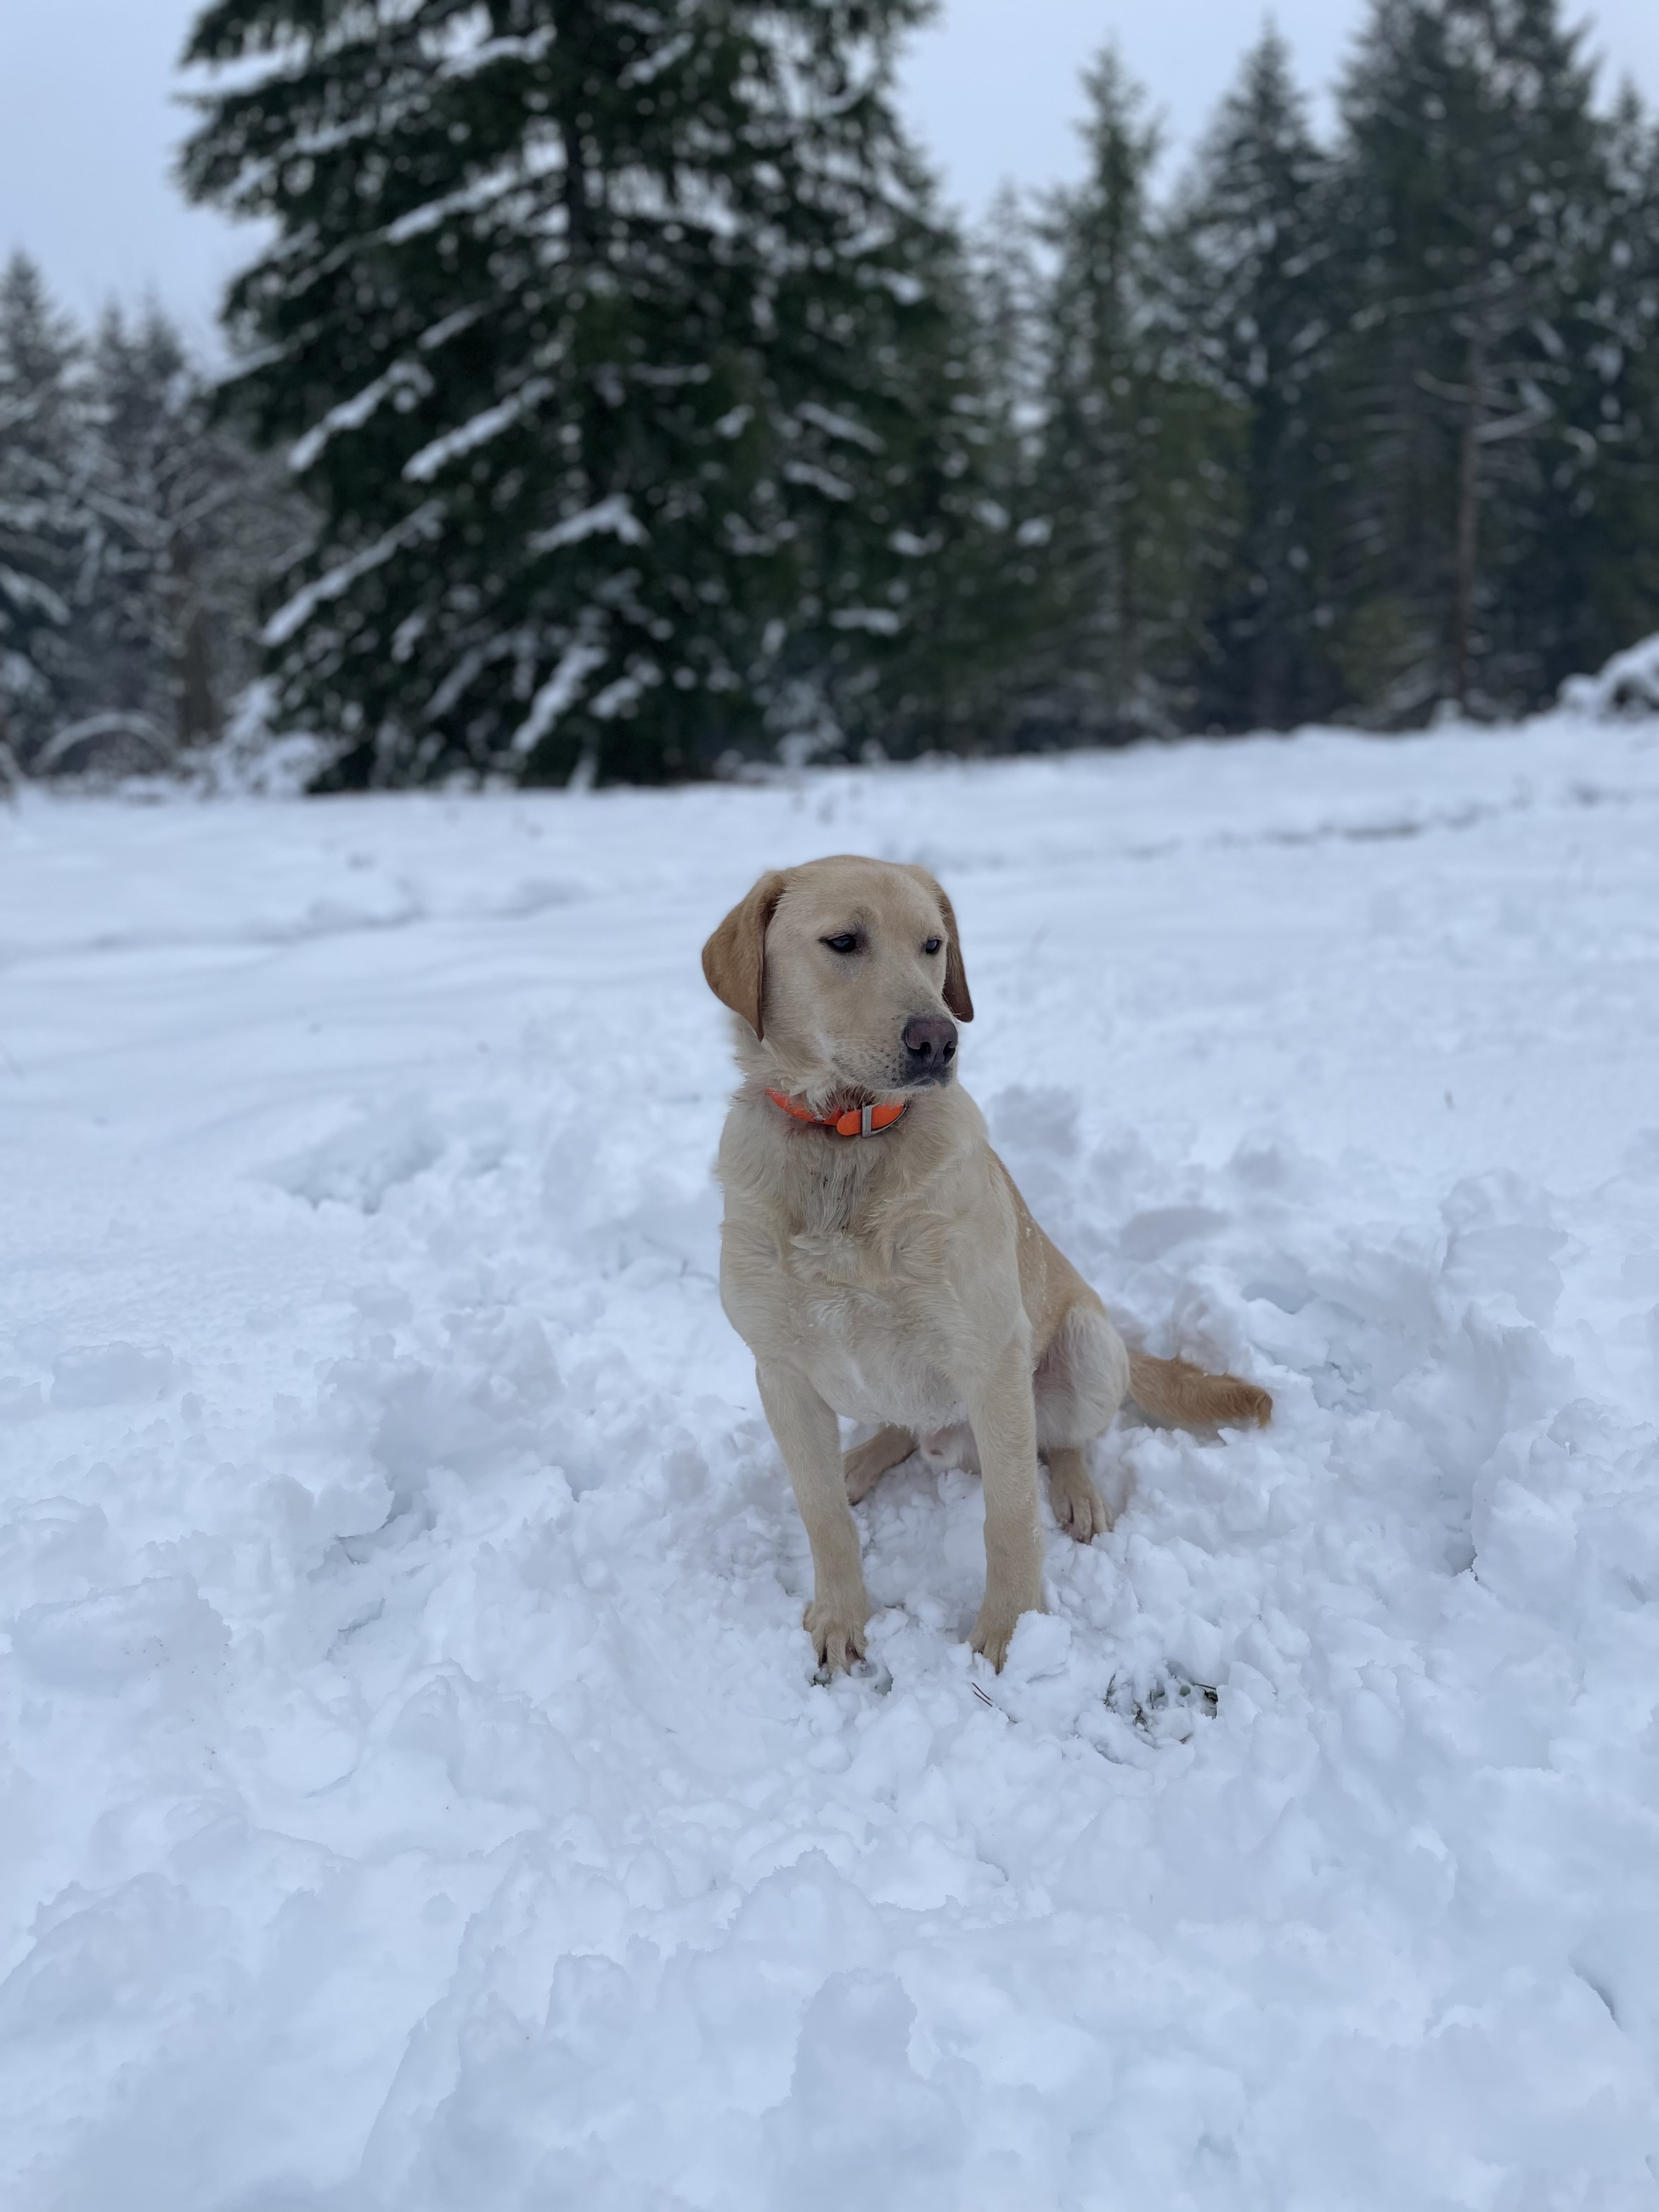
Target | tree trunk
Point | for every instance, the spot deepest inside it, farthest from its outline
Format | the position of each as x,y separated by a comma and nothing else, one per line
196,710
578,208
1468,518
1129,596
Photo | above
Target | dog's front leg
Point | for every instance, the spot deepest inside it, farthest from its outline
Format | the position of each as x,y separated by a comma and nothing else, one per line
809,1437
1003,1414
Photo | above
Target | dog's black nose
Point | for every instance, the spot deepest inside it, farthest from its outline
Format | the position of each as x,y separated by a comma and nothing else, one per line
930,1043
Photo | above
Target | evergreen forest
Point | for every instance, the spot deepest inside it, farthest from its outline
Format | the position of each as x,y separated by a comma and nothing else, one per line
615,398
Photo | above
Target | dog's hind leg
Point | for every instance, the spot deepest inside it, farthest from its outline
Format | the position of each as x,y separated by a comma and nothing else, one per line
867,1462
1078,1507
1079,1384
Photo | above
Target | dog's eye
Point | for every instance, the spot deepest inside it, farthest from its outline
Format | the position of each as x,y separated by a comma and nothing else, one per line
933,945
846,942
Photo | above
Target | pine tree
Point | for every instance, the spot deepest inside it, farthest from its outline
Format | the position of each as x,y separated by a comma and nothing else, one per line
127,625
1253,298
1473,162
1006,284
43,518
920,595
594,334
958,678
1127,471
184,521
1590,583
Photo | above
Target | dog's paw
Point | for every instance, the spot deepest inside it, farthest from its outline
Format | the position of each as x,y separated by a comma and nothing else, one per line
993,1631
867,1462
1079,1509
837,1633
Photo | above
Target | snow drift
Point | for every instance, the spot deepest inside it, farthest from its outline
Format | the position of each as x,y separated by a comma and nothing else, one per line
1626,689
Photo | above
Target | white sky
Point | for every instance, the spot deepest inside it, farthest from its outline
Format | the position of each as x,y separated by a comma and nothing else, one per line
90,114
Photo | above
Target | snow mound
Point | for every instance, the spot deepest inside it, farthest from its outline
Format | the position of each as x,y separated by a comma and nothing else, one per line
416,1794
1626,689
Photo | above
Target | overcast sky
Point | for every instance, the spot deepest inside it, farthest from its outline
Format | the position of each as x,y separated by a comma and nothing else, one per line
89,115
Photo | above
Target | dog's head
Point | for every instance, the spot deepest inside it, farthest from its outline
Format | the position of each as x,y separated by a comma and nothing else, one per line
848,972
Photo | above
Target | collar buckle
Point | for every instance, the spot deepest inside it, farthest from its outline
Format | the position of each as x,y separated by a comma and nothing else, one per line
856,1121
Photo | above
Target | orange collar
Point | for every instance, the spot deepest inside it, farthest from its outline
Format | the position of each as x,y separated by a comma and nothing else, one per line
856,1121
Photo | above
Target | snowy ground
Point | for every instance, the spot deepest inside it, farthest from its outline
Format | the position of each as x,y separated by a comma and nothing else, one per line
412,1792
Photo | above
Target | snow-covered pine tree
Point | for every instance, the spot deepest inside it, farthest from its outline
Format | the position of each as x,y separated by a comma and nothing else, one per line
952,676
130,631
1473,162
999,611
1252,296
1590,584
592,333
1005,283
43,514
915,583
1126,476
185,521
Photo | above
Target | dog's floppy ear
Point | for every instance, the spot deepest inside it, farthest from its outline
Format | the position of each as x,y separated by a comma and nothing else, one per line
955,975
957,995
734,958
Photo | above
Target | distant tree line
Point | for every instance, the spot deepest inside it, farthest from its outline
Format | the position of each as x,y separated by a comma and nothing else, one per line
137,531
632,408
1347,432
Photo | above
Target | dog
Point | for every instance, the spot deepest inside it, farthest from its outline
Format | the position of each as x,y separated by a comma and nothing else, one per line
876,1255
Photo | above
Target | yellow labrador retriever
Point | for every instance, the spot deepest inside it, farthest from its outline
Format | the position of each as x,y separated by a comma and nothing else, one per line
876,1256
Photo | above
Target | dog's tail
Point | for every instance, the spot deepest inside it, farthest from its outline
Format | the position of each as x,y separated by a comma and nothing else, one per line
1173,1390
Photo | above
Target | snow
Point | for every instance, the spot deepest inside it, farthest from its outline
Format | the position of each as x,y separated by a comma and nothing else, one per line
479,430
558,693
295,613
415,1792
808,472
613,516
403,376
1628,685
837,425
881,622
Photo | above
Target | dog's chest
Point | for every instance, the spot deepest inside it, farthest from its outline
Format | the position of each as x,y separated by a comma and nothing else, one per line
868,1337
